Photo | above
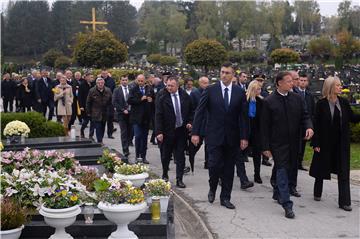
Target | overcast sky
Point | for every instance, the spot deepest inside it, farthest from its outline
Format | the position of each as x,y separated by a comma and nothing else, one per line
327,7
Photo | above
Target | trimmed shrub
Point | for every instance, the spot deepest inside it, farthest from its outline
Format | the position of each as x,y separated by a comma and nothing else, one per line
37,123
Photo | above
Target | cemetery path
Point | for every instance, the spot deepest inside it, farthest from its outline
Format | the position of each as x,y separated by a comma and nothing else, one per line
256,214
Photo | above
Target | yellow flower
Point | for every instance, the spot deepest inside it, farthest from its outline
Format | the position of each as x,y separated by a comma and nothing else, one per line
63,193
345,91
73,198
1,146
56,90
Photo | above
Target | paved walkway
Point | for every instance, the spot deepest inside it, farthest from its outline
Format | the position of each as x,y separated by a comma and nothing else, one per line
256,214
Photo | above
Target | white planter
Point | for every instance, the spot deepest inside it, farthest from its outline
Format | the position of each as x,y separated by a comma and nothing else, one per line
137,179
164,202
11,234
60,218
122,215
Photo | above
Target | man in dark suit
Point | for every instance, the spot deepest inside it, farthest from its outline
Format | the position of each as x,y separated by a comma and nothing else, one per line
141,98
283,116
310,106
84,89
173,117
195,99
224,104
44,94
109,83
8,89
119,100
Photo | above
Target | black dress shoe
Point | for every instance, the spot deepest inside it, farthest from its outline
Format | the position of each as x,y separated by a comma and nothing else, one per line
111,137
227,204
114,130
186,170
145,161
289,213
295,193
317,198
347,208
246,185
131,144
211,196
257,179
246,159
266,162
165,177
180,184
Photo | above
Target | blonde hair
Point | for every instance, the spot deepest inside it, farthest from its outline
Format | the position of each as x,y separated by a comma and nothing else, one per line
251,91
328,86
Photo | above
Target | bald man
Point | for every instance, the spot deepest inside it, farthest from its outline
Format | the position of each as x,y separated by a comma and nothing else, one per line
141,100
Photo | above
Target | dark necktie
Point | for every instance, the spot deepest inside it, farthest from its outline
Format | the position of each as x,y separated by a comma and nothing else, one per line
178,116
142,90
303,93
226,99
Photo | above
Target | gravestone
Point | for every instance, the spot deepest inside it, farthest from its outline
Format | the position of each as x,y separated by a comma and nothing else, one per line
143,226
86,151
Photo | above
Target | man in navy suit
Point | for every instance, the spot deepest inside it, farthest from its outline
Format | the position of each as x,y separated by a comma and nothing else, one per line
224,104
44,94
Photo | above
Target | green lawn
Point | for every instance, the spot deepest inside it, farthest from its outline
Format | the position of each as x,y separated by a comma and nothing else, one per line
354,156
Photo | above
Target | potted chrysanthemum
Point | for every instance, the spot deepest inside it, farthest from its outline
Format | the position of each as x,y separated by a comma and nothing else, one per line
13,218
136,173
61,203
121,203
158,188
16,129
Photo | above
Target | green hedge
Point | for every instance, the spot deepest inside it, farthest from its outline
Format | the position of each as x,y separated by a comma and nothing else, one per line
37,123
355,133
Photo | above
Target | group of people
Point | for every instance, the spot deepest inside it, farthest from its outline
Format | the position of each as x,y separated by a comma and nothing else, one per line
233,118
276,126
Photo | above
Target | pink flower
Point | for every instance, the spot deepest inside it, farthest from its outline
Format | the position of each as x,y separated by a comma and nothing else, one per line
36,153
6,161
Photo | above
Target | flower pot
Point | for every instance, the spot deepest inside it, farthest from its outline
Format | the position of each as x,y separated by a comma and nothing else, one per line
137,179
11,234
122,215
14,139
164,202
60,218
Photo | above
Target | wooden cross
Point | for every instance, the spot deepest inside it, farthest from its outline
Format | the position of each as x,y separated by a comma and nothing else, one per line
93,22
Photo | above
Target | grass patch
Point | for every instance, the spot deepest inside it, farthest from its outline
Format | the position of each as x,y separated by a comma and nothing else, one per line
354,155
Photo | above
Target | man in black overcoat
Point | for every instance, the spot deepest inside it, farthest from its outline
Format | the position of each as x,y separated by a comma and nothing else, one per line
173,117
284,115
224,105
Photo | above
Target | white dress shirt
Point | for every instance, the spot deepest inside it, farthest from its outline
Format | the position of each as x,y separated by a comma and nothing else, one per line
223,90
283,93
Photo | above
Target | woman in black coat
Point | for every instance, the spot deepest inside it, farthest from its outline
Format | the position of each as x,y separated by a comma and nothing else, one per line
255,102
331,141
25,94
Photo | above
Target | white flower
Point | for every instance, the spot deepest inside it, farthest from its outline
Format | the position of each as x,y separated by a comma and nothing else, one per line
9,191
37,190
16,127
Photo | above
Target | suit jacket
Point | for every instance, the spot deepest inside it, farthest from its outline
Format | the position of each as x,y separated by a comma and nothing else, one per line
43,92
84,89
165,118
223,127
310,103
195,100
283,120
8,89
140,110
110,83
321,165
119,102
